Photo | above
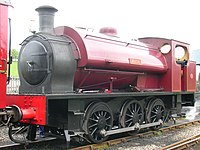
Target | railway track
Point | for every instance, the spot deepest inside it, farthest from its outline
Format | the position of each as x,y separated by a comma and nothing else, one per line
46,141
110,143
184,144
29,144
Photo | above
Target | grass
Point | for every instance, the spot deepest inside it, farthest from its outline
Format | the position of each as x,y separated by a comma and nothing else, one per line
14,69
157,133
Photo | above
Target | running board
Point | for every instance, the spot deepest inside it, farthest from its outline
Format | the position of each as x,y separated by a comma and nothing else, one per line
135,127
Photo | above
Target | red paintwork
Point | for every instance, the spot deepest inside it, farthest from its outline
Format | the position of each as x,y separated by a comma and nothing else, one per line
3,52
111,53
28,114
102,79
150,81
33,107
176,79
188,80
100,51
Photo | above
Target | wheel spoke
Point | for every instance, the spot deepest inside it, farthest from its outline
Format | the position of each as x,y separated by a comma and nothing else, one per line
138,110
153,116
96,116
99,113
129,120
96,137
135,108
130,124
94,131
102,113
93,125
108,118
131,111
108,125
159,109
105,114
155,112
129,115
154,120
140,116
93,119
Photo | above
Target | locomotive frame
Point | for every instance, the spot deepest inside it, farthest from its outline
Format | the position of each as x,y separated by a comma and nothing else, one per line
73,112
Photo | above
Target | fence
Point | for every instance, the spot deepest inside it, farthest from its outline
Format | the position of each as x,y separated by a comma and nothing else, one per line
13,86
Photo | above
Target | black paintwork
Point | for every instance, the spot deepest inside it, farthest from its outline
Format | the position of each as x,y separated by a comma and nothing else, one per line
46,65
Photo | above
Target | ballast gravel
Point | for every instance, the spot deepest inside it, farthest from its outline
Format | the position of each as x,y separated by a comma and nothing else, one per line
4,139
159,140
155,142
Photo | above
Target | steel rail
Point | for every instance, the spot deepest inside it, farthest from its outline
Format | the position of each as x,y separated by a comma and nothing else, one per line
183,144
113,142
18,146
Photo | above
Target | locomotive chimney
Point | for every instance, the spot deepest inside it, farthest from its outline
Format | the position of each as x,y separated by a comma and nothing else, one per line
46,18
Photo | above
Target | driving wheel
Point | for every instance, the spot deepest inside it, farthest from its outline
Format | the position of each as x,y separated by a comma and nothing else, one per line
98,118
132,113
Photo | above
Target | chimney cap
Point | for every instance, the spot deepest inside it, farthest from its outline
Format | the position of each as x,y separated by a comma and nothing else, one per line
45,8
46,18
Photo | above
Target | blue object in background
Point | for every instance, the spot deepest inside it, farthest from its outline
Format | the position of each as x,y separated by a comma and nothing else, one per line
41,131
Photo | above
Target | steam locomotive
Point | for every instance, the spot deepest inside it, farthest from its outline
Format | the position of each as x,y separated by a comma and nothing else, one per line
92,85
